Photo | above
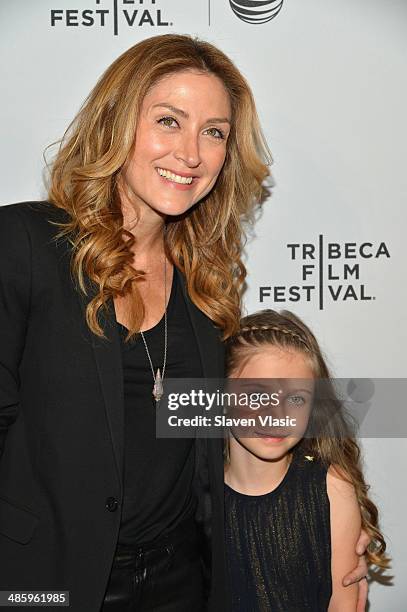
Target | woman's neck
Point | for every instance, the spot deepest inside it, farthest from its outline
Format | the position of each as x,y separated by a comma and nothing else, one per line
248,474
147,227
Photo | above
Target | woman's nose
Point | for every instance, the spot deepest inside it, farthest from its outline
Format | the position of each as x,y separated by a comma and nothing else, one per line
188,151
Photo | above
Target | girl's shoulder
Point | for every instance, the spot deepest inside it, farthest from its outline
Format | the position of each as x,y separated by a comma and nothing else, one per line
309,466
314,477
340,488
306,481
313,468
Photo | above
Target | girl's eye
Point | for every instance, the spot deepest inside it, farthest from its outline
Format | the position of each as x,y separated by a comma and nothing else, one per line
296,400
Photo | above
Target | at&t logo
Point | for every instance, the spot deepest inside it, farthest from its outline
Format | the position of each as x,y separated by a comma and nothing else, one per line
256,11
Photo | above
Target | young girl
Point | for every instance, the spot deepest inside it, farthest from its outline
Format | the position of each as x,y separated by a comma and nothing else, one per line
295,497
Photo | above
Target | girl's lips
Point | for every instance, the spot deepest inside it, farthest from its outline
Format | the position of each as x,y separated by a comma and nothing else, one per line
269,437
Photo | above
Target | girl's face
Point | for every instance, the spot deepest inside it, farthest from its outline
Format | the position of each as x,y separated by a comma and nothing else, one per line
180,144
288,374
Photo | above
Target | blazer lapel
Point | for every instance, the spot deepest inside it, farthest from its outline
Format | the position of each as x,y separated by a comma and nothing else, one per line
207,337
212,353
107,352
108,359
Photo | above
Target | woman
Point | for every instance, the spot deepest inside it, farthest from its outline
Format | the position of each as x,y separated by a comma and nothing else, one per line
142,232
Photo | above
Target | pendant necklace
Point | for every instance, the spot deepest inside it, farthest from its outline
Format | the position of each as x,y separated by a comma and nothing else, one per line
158,378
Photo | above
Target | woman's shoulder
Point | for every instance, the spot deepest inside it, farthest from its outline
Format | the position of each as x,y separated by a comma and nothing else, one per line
29,237
34,213
34,223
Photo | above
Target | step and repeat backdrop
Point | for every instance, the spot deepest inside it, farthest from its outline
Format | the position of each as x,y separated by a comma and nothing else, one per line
330,81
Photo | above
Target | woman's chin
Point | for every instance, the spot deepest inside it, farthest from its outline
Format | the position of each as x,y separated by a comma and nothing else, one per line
174,209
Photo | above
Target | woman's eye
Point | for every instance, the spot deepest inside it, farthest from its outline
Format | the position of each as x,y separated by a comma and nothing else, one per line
296,400
166,121
220,135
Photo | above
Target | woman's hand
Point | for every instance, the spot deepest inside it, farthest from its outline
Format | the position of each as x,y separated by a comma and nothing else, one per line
359,573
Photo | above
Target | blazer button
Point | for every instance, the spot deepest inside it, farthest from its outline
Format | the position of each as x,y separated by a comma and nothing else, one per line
111,504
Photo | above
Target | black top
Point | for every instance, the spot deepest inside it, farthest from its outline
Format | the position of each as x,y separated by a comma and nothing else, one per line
279,544
158,473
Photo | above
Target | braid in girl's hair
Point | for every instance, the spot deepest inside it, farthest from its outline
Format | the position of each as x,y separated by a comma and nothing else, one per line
268,327
274,328
330,435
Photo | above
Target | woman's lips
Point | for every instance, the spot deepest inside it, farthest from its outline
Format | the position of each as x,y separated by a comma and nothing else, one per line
179,186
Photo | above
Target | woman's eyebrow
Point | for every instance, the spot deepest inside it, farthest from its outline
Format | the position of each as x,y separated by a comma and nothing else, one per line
179,111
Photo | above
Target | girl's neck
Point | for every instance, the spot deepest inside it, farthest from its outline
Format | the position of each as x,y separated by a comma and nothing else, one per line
250,475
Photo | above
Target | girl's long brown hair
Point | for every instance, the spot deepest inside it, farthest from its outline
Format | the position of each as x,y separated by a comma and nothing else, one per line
329,435
204,244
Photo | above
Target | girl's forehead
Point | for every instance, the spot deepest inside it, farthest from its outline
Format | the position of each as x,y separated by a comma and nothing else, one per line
276,362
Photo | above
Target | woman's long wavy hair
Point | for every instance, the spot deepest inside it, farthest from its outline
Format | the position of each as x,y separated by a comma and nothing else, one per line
206,243
330,432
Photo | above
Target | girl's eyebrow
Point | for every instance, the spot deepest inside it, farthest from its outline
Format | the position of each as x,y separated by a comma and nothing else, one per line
249,384
184,114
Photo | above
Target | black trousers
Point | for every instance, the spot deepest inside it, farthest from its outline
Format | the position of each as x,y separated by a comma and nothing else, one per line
164,576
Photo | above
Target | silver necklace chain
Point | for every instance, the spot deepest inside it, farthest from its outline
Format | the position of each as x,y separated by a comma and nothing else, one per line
159,376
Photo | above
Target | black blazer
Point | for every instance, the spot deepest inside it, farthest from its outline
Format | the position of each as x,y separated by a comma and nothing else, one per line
61,422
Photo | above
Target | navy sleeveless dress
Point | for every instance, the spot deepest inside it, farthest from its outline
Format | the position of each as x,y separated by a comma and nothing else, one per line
279,545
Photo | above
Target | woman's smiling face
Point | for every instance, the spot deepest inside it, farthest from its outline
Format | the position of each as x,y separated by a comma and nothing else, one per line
183,127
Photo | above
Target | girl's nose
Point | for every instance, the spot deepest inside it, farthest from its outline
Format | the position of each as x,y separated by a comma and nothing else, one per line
278,411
